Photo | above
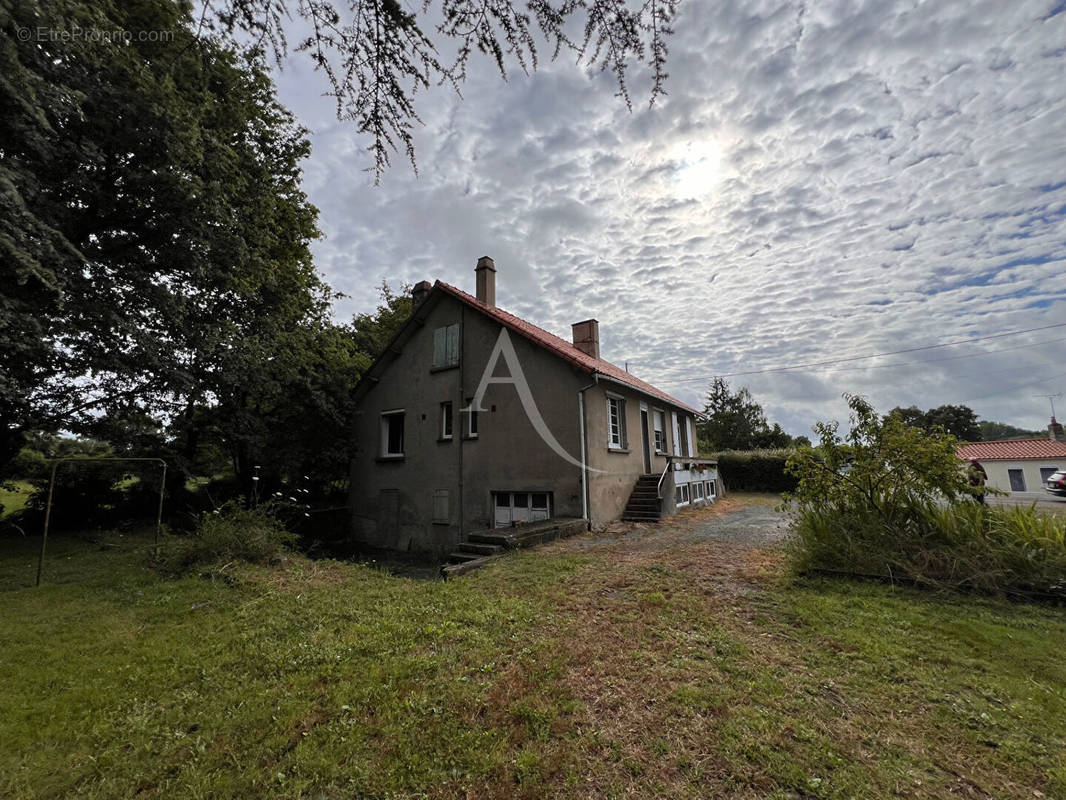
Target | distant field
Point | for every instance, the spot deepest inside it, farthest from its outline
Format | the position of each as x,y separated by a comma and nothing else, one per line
606,668
14,496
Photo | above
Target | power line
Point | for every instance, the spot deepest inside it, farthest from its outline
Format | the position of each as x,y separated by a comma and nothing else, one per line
872,355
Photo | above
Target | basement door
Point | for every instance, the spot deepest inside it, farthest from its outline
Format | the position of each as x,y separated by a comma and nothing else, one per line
511,507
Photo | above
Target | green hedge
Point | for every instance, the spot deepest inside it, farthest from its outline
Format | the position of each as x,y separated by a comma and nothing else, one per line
755,471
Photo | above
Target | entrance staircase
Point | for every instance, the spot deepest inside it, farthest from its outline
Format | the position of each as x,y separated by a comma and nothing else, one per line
644,504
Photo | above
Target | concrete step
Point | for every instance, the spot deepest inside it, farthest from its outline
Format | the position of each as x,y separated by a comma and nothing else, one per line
644,495
498,539
480,548
640,517
456,557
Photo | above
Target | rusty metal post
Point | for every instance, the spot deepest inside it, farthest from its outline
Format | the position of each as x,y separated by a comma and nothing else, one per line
159,513
47,518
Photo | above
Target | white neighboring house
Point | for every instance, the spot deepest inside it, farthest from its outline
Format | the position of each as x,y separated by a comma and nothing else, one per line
1020,466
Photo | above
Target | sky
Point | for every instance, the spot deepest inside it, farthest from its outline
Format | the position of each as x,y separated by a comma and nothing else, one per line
824,180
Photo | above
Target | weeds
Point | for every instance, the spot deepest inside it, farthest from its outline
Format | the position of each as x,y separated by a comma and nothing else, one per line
230,534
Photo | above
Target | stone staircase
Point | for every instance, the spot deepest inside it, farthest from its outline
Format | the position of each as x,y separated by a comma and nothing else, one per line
644,504
482,546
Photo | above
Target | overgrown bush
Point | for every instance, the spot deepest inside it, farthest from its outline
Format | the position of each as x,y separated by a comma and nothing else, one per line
893,501
1014,551
230,534
755,470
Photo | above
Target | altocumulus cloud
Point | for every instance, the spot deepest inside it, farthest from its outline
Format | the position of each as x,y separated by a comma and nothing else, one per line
823,180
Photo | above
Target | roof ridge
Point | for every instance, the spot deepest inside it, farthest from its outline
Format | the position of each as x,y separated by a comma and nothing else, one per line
566,349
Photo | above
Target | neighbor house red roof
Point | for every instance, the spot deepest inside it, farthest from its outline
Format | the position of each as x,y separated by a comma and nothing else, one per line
562,348
1012,449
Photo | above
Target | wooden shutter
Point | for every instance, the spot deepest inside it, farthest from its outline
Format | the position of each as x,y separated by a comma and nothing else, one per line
441,512
453,344
440,346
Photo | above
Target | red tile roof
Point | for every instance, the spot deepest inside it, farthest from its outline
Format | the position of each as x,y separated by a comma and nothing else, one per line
1012,449
562,348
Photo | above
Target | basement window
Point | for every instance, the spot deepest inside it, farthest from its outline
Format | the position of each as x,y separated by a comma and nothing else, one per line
712,489
446,347
681,495
392,431
697,491
616,423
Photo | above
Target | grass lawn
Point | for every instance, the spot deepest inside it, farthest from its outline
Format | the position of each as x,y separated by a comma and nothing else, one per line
663,668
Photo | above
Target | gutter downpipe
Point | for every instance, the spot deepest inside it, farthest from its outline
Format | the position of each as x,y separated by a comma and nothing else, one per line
584,445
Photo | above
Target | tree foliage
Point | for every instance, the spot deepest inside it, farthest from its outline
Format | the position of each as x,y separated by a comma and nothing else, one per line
153,233
960,421
376,55
990,431
737,422
883,466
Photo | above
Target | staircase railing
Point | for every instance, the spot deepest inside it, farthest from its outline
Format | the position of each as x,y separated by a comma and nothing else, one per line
659,486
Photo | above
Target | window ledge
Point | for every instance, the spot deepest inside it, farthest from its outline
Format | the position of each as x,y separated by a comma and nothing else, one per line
388,458
621,450
445,367
469,437
445,439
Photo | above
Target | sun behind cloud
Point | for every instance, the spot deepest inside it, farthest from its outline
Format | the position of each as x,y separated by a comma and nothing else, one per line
698,168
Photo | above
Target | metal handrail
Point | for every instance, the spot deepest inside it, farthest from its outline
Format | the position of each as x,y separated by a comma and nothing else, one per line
659,485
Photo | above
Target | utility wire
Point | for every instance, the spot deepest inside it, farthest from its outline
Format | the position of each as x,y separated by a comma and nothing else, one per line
872,355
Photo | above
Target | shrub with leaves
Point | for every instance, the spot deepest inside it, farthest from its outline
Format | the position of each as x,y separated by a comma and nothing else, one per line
755,470
892,501
230,534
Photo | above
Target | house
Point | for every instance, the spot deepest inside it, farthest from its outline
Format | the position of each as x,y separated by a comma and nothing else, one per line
474,418
1020,466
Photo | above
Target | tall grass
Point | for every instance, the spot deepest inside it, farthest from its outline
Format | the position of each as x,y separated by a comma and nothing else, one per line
1017,551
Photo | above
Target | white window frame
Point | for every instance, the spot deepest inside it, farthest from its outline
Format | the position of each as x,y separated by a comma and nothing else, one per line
688,437
697,490
386,425
616,407
711,489
677,434
658,427
470,427
446,347
447,421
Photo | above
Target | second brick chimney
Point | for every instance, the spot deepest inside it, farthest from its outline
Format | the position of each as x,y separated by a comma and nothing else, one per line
486,281
1055,431
587,337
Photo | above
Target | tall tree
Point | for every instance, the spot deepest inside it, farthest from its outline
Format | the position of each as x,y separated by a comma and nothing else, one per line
991,431
151,216
735,421
377,54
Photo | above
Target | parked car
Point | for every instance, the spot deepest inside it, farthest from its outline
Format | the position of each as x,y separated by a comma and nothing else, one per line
1056,484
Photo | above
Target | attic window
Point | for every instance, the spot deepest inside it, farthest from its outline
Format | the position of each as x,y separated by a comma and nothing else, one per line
446,347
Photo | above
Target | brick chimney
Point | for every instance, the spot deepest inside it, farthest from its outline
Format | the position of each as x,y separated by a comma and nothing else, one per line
486,281
418,293
1055,431
587,337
